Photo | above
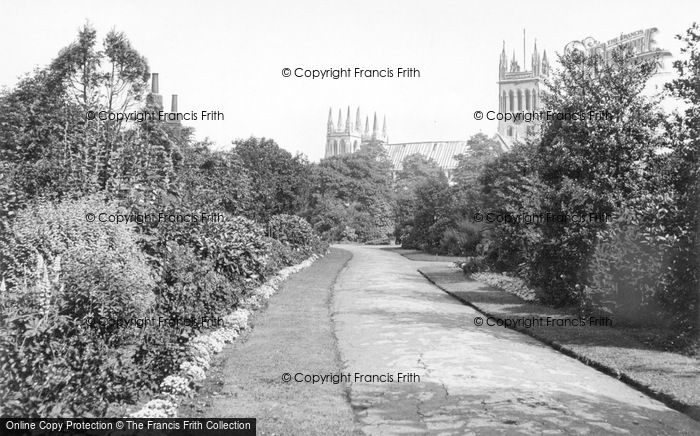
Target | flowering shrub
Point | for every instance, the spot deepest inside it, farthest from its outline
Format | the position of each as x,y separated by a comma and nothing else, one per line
199,350
175,385
105,275
57,355
225,335
157,409
237,319
192,371
212,343
512,285
50,364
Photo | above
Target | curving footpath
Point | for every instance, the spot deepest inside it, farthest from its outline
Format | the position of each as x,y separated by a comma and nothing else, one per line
473,380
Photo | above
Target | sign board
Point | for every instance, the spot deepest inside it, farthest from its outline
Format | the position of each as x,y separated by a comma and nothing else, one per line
641,41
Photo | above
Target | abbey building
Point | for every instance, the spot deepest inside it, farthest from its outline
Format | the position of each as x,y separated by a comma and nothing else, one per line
519,90
348,135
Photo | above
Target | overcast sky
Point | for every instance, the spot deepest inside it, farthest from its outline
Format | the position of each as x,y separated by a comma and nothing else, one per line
228,55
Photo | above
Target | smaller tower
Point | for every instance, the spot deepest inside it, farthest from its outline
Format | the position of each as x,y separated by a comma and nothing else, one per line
348,122
374,128
514,67
503,63
330,120
385,137
536,62
342,136
545,64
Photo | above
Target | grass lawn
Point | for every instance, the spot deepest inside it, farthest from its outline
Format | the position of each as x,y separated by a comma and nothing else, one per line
293,334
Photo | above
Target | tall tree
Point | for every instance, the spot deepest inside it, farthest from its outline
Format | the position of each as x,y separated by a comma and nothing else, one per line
280,180
592,157
682,295
357,187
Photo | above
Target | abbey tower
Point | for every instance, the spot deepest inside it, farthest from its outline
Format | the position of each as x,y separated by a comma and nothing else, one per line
348,137
520,91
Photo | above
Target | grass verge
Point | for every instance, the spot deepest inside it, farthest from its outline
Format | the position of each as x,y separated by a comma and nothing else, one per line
292,335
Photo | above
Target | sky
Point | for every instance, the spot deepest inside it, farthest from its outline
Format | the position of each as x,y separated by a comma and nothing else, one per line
228,55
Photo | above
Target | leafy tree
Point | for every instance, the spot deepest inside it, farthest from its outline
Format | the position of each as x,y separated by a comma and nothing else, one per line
356,190
280,180
214,180
590,164
481,150
114,88
683,164
430,217
417,171
510,185
43,126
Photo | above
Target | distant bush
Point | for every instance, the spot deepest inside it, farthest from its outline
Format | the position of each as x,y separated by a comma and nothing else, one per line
462,239
292,230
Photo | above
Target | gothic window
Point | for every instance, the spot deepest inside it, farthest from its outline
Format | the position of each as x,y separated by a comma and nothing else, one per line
520,100
512,100
354,147
527,99
504,100
335,147
343,146
534,99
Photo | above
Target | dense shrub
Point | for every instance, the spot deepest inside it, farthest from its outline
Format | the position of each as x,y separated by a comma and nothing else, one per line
293,230
282,255
190,286
52,364
105,275
462,239
628,269
235,245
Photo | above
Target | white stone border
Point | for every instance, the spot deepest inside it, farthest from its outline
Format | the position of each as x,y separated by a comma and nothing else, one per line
202,348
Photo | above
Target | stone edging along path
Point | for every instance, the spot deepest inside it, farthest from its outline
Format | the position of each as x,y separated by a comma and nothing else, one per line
176,387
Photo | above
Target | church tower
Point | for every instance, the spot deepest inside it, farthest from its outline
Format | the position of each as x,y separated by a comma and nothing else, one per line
348,136
520,91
